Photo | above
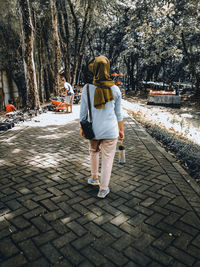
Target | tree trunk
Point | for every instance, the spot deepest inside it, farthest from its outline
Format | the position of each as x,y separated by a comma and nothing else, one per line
56,45
79,46
192,66
32,97
46,84
65,35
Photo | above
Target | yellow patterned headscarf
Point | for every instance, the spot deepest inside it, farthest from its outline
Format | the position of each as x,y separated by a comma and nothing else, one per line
103,92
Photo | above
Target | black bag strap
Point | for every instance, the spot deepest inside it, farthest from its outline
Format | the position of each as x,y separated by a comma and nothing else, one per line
89,104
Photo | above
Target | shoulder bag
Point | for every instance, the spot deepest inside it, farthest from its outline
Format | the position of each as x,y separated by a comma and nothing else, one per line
85,124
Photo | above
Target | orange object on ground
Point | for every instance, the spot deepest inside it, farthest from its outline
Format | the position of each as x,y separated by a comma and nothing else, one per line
10,108
161,92
58,105
61,106
55,102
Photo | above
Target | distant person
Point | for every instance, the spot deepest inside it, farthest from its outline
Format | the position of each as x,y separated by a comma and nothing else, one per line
68,93
10,107
107,122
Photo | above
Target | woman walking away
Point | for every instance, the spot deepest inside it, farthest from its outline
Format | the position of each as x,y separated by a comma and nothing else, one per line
107,122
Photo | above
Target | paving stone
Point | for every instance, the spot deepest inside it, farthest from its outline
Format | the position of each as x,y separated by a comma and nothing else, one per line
51,253
96,258
123,242
84,241
7,248
30,204
180,256
143,210
35,212
154,219
94,229
176,209
87,217
121,218
53,216
116,257
72,255
25,234
18,260
137,219
196,241
148,202
186,228
59,227
64,239
191,219
150,230
143,241
135,231
43,238
49,216
13,204
159,256
39,262
193,251
104,241
41,224
112,229
137,256
164,241
76,228
29,250
20,222
49,205
103,219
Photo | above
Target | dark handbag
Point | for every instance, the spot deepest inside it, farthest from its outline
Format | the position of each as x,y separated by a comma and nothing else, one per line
69,93
85,124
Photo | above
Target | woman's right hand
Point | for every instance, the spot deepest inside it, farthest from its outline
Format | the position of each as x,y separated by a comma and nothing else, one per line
121,130
121,134
82,133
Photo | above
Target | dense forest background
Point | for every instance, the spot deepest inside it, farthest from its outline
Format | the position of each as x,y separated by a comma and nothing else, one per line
144,39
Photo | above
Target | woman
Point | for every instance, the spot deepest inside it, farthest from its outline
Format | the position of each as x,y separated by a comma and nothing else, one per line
107,122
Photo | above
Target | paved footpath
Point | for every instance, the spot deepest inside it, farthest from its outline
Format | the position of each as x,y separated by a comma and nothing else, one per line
49,216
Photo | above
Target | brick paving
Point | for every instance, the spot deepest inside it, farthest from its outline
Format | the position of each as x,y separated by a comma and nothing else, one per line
49,216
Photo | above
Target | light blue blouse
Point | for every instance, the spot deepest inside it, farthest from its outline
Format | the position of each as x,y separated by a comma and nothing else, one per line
104,121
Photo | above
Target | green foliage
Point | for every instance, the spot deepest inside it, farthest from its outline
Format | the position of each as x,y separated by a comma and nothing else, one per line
146,39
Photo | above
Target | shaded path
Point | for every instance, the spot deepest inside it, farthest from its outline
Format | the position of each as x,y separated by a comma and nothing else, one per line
50,216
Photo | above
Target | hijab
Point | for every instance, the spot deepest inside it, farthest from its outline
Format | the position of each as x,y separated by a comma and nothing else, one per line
103,92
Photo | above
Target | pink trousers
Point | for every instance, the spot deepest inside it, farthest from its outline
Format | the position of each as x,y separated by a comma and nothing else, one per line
107,148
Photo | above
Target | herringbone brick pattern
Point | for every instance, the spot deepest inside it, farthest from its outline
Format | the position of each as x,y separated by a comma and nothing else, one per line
49,216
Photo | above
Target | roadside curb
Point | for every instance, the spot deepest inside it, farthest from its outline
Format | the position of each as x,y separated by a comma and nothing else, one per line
191,181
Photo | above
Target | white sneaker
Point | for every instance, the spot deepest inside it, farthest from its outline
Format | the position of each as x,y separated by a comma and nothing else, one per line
103,193
93,181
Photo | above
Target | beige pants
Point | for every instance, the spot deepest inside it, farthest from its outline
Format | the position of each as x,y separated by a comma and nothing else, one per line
108,148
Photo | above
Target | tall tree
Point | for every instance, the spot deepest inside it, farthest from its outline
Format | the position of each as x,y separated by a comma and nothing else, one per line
32,97
56,45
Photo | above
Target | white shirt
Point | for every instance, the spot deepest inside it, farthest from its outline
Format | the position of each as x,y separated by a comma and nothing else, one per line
68,87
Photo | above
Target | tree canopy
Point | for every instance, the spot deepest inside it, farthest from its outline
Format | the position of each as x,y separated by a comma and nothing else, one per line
144,39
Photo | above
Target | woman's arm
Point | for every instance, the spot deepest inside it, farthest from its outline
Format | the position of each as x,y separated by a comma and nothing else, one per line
118,113
121,130
83,107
